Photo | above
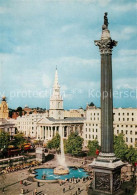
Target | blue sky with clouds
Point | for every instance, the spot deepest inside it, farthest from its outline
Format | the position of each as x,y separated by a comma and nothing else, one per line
37,35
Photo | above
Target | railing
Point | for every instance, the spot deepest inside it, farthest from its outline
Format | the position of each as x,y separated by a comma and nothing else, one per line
16,160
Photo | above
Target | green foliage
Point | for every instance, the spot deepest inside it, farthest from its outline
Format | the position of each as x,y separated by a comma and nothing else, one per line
54,143
122,151
19,109
93,146
4,139
131,155
73,145
19,140
120,147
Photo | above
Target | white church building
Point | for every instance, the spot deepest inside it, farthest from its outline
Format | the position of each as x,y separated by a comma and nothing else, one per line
47,127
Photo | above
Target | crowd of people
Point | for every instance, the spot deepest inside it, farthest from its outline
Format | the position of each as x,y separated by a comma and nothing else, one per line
19,167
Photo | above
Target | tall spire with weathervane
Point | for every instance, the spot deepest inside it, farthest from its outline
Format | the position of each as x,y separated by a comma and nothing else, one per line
56,102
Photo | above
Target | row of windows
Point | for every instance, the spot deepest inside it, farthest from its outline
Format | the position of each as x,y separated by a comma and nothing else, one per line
91,124
125,119
124,113
132,114
89,137
130,139
94,113
94,118
96,130
27,123
119,119
126,132
126,126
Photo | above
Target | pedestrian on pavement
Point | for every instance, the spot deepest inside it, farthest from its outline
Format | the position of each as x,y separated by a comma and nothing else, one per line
3,190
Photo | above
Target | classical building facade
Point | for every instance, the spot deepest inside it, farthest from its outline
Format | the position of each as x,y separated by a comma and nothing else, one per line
27,124
124,121
8,126
4,112
74,113
47,128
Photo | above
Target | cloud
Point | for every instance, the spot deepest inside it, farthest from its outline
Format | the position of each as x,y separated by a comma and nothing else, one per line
125,33
130,83
38,35
104,2
129,52
68,27
46,81
3,10
124,7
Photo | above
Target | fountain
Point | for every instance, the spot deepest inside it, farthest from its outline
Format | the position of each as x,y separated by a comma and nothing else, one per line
62,169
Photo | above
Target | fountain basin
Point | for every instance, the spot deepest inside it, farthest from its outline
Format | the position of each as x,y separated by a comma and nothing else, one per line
50,176
60,170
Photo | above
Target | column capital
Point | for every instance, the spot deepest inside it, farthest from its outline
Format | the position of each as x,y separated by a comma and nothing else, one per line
105,45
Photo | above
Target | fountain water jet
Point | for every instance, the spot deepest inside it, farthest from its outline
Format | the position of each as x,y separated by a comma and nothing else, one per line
62,168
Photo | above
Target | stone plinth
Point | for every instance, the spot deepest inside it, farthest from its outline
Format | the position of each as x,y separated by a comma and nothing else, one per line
107,175
40,156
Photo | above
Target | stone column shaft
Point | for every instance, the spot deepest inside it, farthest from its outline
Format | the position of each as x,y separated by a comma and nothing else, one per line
106,104
106,45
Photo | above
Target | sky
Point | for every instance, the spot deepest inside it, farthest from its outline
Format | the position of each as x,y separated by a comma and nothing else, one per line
38,35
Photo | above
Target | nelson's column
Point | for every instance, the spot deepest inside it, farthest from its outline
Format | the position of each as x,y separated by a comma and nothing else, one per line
106,168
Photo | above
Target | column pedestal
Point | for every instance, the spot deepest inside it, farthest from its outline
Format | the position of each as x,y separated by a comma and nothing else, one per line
107,176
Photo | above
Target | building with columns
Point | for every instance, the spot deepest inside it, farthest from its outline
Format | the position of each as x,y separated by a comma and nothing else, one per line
47,128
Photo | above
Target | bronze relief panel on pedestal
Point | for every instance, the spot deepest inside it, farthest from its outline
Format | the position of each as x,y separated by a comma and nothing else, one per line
102,181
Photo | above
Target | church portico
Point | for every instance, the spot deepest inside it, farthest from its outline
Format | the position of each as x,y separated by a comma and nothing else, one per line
49,127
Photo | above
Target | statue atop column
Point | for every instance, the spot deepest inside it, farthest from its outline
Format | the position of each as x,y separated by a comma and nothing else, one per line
106,19
105,25
106,44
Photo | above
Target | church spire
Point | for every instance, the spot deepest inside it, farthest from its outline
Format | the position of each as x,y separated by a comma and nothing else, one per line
56,102
56,84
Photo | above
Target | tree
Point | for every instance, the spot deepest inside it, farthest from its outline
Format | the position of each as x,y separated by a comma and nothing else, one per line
19,140
74,144
19,109
122,151
54,143
131,155
93,146
4,139
120,147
